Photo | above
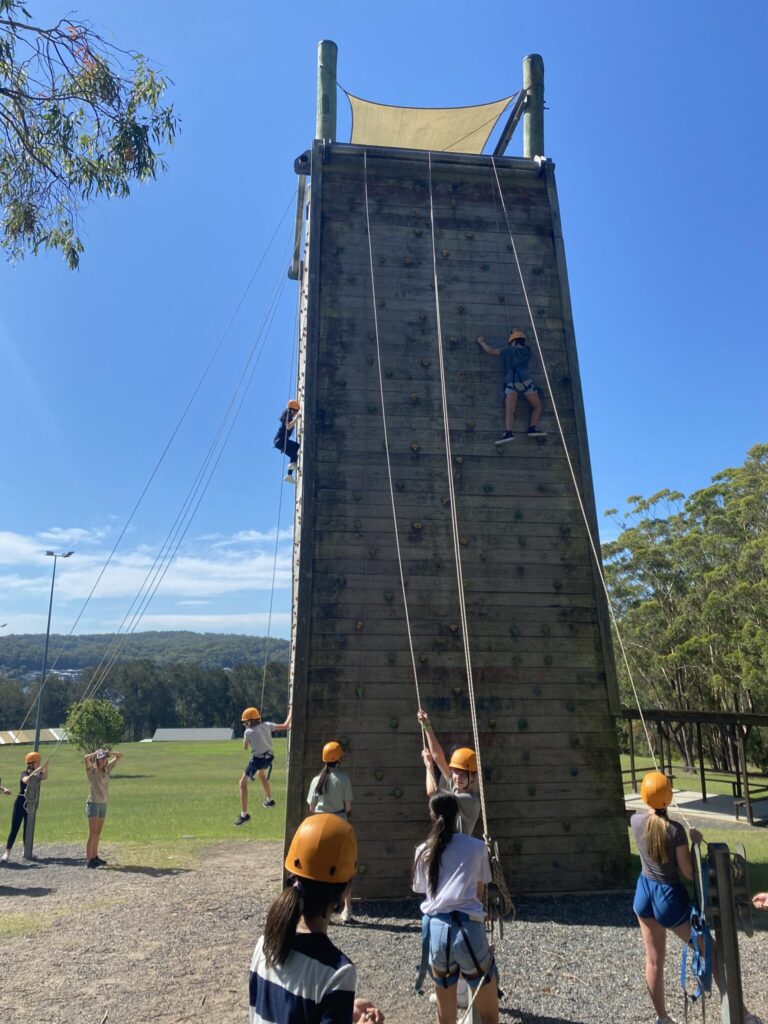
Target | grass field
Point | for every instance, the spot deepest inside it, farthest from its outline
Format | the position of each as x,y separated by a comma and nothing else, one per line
159,793
167,800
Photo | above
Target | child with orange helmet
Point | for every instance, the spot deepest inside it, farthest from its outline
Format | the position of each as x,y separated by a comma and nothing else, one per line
288,419
457,776
258,739
330,792
32,766
515,357
661,901
296,971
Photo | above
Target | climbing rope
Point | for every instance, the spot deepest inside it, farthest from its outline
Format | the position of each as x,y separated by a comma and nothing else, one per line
454,516
572,471
386,431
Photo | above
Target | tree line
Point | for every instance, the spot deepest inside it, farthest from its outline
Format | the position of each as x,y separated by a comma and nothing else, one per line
150,696
688,579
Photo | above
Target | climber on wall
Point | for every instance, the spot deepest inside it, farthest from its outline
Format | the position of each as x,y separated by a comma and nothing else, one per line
283,442
515,359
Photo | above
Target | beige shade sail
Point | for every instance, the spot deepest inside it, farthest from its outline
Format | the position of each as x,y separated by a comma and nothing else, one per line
439,129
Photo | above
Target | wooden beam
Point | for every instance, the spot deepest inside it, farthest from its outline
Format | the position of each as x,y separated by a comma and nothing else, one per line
512,121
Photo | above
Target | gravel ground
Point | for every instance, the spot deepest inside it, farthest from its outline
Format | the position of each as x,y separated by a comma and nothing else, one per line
133,945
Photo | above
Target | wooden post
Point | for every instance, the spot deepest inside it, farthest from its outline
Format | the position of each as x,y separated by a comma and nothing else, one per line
702,775
744,774
325,125
726,937
32,799
533,117
632,772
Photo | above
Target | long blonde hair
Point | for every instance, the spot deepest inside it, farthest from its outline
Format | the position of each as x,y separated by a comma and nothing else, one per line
656,837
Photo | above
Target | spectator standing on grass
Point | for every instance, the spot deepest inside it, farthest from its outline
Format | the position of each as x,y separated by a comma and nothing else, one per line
98,768
32,767
661,901
330,792
297,974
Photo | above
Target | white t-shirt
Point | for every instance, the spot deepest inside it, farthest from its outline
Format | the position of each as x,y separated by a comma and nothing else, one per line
463,864
259,738
337,792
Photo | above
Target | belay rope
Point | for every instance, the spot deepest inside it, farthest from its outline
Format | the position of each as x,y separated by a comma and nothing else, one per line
699,944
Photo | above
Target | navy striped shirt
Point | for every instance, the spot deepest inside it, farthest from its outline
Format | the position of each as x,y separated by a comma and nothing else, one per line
315,984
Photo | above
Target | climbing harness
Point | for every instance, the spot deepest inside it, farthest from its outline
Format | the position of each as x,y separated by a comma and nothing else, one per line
698,950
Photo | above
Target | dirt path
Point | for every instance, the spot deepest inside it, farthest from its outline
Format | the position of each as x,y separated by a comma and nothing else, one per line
132,945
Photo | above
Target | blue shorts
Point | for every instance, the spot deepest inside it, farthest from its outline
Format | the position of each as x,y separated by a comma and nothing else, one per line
258,763
449,951
665,902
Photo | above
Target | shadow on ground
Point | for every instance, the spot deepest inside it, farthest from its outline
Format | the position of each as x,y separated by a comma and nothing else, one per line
31,890
138,869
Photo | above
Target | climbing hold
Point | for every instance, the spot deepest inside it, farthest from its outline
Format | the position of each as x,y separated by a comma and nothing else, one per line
558,584
361,869
378,774
567,826
531,791
340,581
357,523
445,500
418,232
388,595
485,266
414,447
414,397
518,514
469,234
417,526
525,756
423,658
351,279
574,741
517,847
457,691
461,309
437,566
487,488
397,793
453,627
465,584
372,552
522,542
358,625
391,658
393,723
574,771
371,408
546,631
341,640
426,362
371,337
500,298
388,373
522,723
464,541
357,495
370,360
422,317
381,303
510,247
408,261
570,705
345,741
446,253
359,691
514,631
537,691
492,723
548,660
520,570
400,485
470,424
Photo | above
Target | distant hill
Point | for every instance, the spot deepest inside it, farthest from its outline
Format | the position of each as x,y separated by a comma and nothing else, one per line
22,653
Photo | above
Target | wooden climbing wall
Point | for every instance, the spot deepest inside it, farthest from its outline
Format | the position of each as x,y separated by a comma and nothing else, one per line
537,617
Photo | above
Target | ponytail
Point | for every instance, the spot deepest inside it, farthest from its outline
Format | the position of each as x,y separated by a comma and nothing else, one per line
302,897
444,809
656,837
327,769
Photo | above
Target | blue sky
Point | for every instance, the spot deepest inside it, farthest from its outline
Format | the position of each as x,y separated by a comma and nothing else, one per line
656,125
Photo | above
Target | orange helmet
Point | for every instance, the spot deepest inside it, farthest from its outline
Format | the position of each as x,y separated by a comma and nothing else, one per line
31,756
516,336
293,404
250,715
323,849
656,790
463,760
332,752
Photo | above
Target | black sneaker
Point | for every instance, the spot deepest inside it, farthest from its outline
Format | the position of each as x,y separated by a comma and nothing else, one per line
268,803
506,436
92,863
536,432
99,862
241,819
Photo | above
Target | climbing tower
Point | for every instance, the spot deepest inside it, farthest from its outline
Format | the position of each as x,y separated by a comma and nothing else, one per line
536,616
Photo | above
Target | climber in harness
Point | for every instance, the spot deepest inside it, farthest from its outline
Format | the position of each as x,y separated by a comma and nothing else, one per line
515,359
452,870
283,442
457,776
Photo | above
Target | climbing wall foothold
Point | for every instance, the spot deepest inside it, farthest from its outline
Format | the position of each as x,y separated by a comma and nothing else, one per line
397,793
454,627
424,659
372,552
522,723
391,658
470,424
491,723
357,495
378,775
457,691
359,691
414,447
358,625
426,361
548,660
417,526
531,791
546,631
487,488
393,723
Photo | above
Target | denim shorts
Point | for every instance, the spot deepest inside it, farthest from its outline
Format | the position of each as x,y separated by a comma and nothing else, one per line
449,953
94,810
258,763
665,902
522,387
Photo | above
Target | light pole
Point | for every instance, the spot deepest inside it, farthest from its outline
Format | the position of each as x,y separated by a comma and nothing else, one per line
32,793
